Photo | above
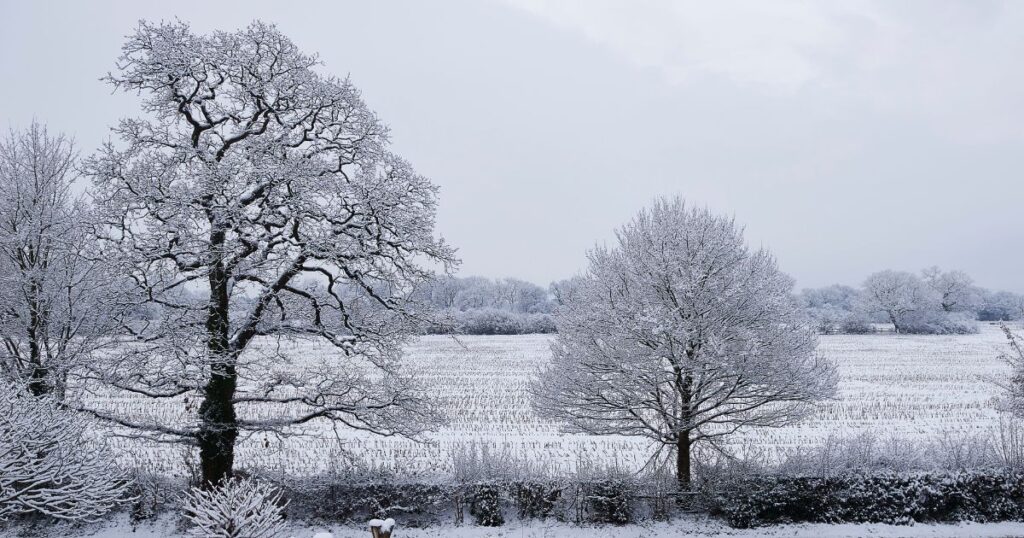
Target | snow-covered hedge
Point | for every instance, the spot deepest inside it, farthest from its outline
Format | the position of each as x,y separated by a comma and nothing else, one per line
886,498
489,503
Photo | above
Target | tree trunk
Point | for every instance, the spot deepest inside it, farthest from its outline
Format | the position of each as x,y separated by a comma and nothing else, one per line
37,379
218,425
683,461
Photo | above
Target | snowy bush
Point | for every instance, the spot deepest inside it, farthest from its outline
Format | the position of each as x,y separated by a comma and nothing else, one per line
884,498
536,500
939,322
48,463
486,506
608,501
237,508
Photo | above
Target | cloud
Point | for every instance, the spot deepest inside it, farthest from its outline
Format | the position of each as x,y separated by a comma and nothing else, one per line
950,63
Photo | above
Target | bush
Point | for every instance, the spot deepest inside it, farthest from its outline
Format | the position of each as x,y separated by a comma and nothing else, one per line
343,500
938,323
536,500
608,502
50,463
486,506
237,508
887,498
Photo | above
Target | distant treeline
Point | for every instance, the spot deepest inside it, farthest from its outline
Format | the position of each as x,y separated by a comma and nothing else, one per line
932,302
478,305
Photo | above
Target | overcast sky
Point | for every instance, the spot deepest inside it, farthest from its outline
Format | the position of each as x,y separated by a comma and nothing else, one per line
847,137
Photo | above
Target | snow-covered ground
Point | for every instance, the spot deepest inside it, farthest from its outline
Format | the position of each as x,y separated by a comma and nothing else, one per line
914,387
696,527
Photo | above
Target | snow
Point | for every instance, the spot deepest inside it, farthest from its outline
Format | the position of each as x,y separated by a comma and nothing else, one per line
696,526
916,387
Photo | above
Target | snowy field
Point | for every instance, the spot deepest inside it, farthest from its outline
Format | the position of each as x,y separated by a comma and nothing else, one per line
913,387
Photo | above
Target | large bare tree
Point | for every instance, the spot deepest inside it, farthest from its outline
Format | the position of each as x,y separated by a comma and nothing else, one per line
57,302
681,334
268,192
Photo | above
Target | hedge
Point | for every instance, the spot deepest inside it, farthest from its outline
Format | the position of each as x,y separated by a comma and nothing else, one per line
887,498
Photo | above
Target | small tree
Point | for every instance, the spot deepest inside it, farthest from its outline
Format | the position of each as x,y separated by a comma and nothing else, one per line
682,335
56,304
237,508
833,309
49,462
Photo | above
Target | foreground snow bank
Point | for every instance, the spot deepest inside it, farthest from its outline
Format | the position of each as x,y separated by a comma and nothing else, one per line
165,528
702,528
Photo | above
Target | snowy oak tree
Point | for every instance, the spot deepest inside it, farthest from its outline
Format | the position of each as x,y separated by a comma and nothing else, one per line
681,334
914,305
56,303
956,290
897,295
268,191
49,464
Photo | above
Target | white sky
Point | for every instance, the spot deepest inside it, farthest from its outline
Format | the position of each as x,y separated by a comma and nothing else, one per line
847,136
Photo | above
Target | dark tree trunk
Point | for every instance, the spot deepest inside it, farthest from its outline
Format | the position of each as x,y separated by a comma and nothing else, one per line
38,384
218,425
683,445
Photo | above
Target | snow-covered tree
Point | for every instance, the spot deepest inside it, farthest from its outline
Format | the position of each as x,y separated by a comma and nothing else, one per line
518,295
562,291
236,508
681,334
956,290
1001,306
56,303
833,309
912,305
476,292
897,295
269,191
50,463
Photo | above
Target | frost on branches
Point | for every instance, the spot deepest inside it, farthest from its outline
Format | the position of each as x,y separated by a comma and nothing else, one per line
682,335
237,508
48,463
56,303
260,199
1014,385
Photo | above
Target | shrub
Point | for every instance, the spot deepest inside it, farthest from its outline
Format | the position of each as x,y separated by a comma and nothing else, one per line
608,502
885,498
486,506
536,499
937,322
237,508
49,463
